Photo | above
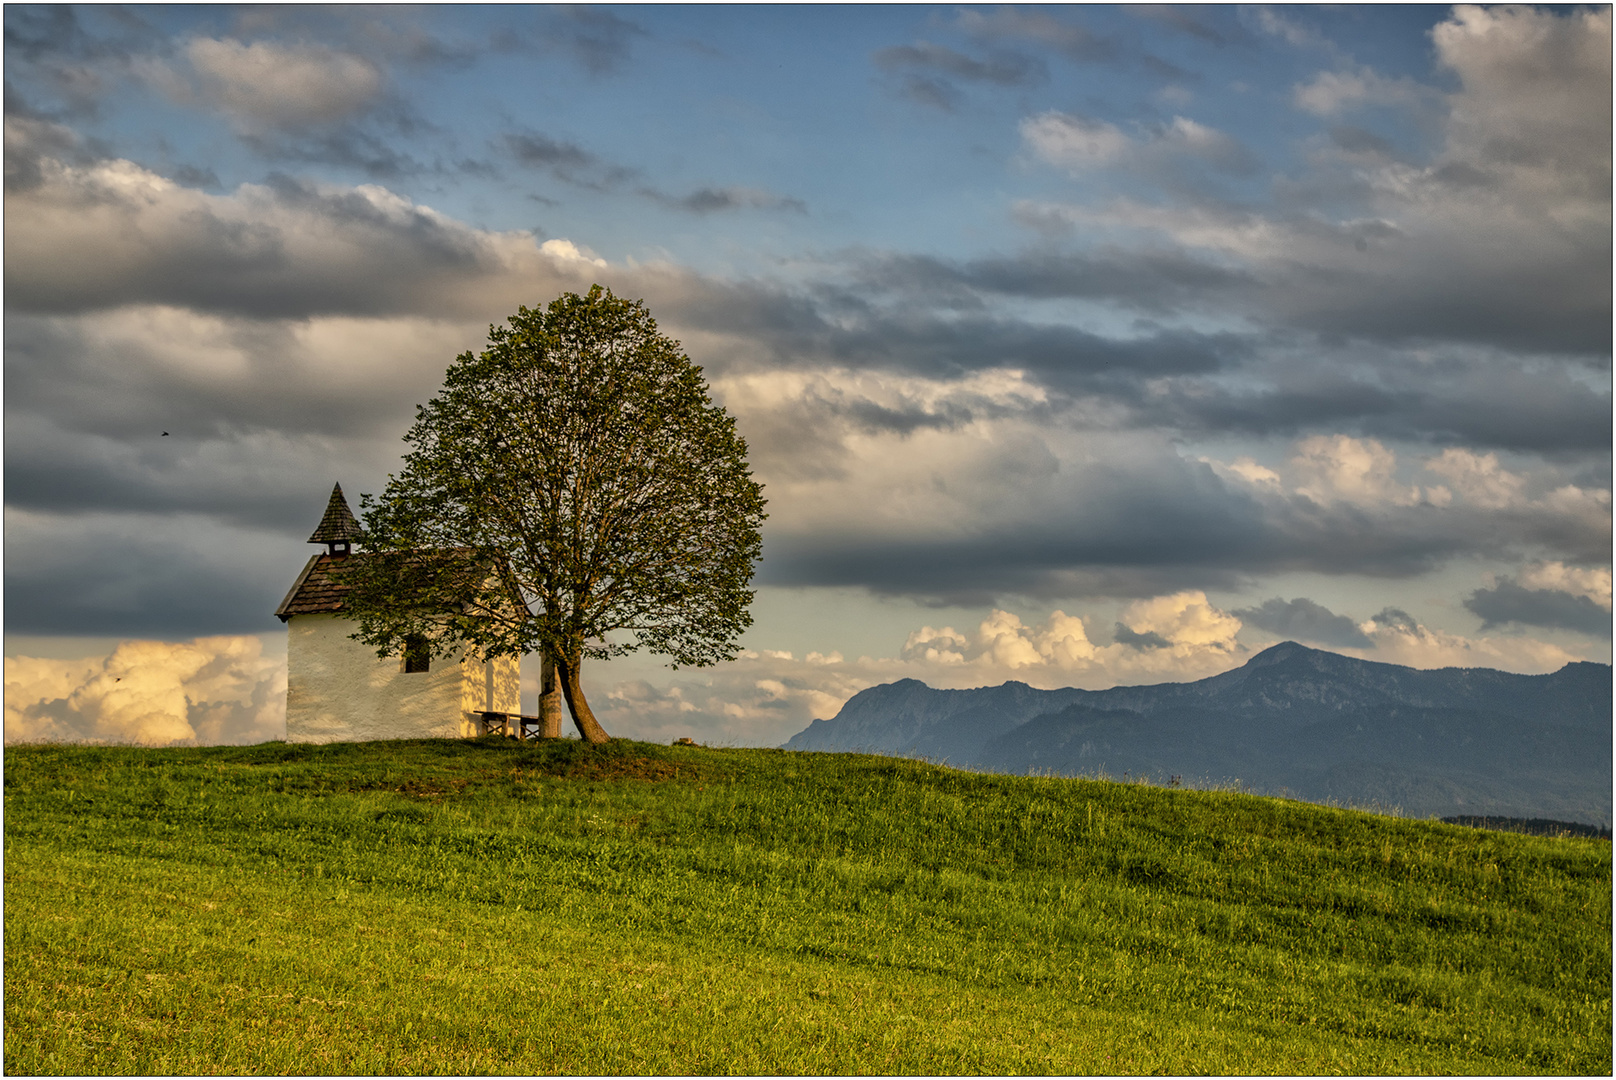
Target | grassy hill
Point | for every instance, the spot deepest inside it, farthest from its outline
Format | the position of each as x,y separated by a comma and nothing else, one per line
458,907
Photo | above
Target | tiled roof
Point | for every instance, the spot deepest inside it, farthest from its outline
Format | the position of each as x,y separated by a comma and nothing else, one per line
319,589
338,524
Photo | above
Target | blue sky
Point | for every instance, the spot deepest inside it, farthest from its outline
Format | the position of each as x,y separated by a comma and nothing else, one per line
1075,345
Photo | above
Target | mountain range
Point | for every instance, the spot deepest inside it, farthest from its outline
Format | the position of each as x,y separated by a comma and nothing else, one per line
1292,721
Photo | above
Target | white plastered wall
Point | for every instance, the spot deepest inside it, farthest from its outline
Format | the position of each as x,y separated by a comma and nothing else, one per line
338,690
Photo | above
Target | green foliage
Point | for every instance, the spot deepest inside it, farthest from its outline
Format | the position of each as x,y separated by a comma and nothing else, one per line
570,482
485,906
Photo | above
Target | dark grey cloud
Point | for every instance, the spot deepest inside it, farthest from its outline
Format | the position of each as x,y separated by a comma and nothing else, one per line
1061,357
872,418
1494,403
1136,640
174,476
1037,25
1545,290
195,177
371,154
572,164
1494,400
1156,528
930,74
1159,280
932,92
566,161
16,104
144,576
75,55
1194,21
1392,618
709,200
1304,620
543,152
1128,518
976,573
1327,399
393,35
1149,281
1512,603
1300,535
1003,69
39,31
595,37
1556,303
1166,70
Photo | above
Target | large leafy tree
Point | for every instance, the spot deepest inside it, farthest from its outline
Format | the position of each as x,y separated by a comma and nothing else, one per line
571,490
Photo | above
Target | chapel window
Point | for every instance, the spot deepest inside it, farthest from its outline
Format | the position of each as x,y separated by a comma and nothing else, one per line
417,657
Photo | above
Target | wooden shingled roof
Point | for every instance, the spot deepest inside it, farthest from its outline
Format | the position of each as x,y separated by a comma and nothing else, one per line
320,589
338,525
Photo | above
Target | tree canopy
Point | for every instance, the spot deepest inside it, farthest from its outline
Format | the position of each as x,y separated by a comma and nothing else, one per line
573,490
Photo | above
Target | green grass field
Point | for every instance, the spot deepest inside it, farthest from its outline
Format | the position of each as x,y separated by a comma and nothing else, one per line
470,907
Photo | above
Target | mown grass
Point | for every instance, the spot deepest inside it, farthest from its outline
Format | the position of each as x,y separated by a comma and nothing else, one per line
466,907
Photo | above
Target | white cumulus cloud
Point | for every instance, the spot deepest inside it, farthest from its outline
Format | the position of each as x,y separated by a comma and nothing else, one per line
1592,582
264,83
1186,620
1335,467
1478,478
205,691
1400,639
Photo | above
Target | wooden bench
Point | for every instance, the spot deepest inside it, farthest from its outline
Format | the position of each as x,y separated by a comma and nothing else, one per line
513,725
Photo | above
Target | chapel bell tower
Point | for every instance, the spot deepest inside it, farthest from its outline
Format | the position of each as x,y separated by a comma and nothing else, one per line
338,529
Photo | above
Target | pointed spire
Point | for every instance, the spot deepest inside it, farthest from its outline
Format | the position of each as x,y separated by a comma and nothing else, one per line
339,528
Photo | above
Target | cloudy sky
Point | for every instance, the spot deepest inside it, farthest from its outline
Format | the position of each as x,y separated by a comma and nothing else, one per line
1079,346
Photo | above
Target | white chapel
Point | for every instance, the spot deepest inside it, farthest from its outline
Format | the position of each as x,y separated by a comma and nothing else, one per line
339,690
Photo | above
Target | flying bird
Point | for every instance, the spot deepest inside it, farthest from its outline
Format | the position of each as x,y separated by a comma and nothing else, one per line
165,433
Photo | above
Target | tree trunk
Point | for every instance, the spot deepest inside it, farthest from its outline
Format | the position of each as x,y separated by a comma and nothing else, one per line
549,699
588,726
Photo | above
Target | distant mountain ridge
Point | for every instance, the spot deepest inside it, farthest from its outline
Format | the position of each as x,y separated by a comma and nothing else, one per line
1309,723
